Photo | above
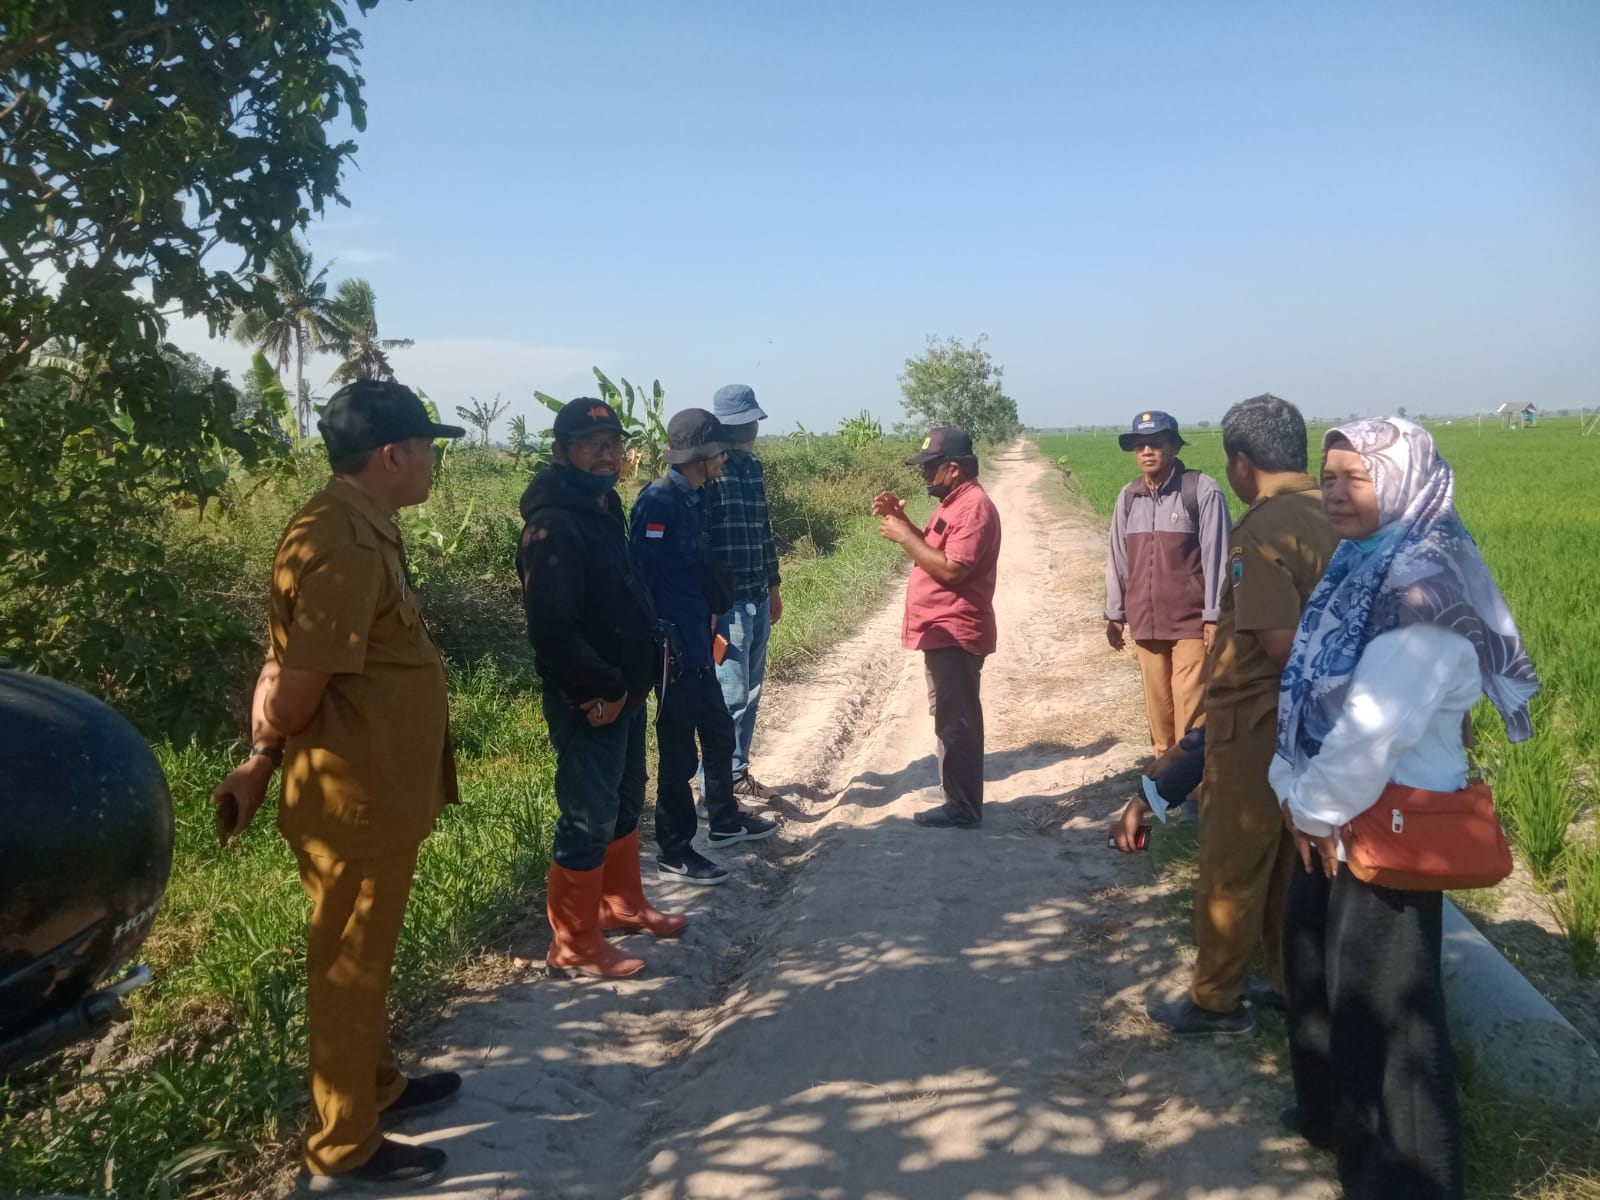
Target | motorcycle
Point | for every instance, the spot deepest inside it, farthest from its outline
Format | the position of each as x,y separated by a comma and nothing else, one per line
86,832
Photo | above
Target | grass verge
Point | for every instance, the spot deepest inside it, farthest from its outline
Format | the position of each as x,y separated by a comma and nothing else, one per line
207,1082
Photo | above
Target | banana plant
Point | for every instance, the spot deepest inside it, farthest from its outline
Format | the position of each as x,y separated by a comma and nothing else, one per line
276,397
860,431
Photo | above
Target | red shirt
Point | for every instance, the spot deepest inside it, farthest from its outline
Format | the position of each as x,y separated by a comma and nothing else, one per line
966,526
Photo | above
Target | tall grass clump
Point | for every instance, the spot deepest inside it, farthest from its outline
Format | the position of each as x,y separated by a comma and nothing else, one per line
1576,905
1533,786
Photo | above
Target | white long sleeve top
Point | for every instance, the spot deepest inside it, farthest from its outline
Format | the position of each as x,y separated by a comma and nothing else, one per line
1401,723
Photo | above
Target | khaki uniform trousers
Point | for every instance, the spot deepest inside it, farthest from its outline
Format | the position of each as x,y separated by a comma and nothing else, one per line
1174,688
1246,856
358,907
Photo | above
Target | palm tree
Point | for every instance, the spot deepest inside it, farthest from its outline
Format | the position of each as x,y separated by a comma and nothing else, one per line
296,316
366,355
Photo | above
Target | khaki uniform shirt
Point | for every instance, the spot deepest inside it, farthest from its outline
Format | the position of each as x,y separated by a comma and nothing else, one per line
370,774
1276,555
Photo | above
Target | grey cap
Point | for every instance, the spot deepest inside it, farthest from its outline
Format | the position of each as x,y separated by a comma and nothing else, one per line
736,405
692,435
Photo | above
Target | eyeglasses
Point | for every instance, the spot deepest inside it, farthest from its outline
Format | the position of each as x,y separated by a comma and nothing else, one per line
1150,443
930,469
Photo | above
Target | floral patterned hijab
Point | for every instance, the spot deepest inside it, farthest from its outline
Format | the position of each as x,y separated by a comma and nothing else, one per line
1421,567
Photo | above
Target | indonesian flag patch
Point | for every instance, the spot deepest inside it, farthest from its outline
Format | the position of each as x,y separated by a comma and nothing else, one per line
655,531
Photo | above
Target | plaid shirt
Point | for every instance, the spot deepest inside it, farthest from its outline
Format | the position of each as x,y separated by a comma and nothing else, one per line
741,530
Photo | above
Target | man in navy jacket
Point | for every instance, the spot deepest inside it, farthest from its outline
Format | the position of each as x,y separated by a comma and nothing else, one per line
672,547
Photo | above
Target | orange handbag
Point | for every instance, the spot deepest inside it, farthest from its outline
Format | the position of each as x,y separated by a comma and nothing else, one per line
1421,841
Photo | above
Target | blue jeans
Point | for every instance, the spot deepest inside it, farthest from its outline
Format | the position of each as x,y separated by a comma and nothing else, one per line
600,781
748,628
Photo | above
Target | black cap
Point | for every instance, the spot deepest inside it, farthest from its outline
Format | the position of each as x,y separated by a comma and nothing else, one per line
370,413
943,441
583,416
1147,423
692,435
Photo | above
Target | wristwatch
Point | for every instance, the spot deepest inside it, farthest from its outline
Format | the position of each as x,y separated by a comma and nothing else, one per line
273,754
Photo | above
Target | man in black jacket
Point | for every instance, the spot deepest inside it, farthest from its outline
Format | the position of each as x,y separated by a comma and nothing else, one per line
592,625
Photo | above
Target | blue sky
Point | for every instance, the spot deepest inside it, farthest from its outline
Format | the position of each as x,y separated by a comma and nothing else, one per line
1356,206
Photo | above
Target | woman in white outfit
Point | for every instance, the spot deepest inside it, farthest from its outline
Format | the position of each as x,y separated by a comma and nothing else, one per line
1404,633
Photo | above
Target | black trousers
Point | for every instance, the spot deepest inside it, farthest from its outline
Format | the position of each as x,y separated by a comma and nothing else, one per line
693,705
954,676
1373,1076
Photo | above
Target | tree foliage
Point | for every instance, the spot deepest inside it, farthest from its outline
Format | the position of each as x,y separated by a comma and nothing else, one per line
138,139
956,384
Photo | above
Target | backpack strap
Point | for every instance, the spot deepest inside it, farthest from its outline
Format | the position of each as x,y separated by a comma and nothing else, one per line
1189,486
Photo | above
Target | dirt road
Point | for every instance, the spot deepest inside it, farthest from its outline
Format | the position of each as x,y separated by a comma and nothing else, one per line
872,1009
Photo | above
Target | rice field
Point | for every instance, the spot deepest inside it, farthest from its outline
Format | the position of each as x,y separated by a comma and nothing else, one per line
1531,498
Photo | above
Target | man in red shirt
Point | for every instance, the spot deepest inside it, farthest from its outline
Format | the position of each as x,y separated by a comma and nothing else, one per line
950,611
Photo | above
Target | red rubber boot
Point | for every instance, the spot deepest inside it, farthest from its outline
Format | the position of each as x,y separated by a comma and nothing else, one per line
622,900
572,898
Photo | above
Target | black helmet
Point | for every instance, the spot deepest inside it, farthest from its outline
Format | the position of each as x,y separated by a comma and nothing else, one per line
86,848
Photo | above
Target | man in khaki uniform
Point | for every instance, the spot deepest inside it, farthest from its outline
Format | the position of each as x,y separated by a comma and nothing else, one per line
352,702
1277,553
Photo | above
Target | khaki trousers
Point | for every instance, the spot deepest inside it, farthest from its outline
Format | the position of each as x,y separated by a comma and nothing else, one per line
1246,857
1174,688
355,926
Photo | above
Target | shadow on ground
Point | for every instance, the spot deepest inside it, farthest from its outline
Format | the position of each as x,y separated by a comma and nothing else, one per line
889,1032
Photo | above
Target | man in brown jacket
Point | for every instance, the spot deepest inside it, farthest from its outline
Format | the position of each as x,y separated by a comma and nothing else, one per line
352,703
1277,553
1164,574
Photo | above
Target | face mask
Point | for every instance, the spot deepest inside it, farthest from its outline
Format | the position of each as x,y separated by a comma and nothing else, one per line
938,490
587,482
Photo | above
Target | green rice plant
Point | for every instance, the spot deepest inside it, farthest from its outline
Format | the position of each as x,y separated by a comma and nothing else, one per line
1534,795
1576,904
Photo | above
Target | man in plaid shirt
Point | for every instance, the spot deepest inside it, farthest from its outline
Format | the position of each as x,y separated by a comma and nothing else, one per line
742,549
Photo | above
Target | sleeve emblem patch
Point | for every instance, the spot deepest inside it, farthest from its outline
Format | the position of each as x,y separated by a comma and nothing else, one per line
655,531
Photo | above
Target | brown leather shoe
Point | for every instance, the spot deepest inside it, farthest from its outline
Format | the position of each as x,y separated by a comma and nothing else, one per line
622,900
572,899
748,785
